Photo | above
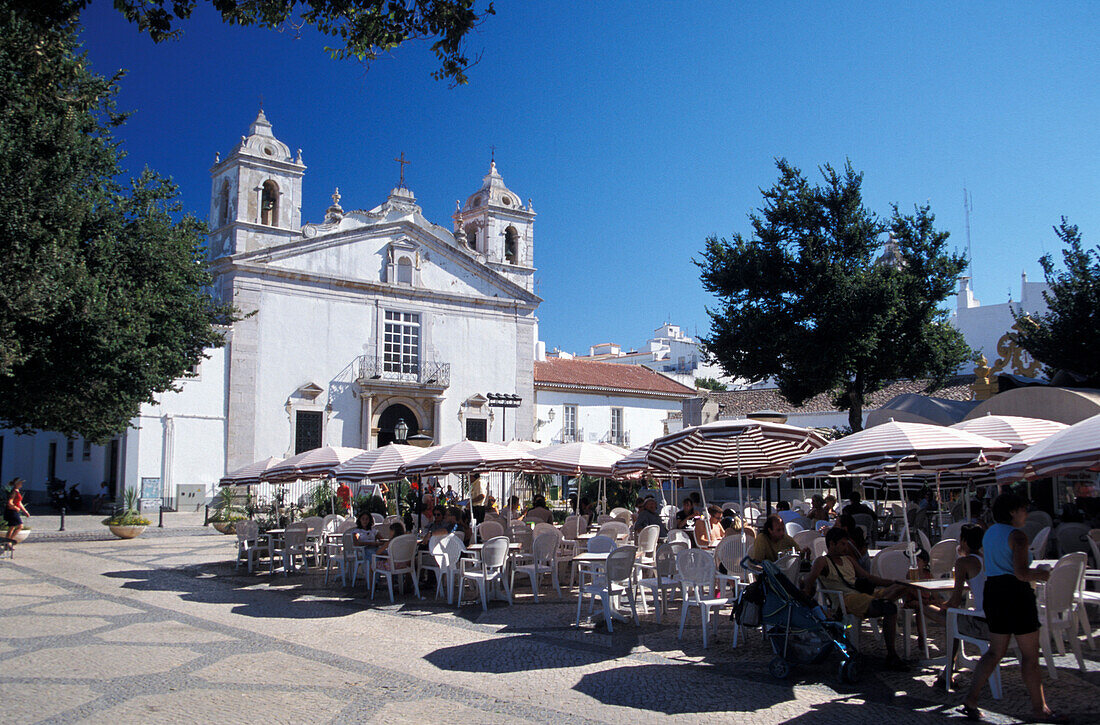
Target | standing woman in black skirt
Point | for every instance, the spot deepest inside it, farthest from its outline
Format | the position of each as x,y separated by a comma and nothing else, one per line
1010,609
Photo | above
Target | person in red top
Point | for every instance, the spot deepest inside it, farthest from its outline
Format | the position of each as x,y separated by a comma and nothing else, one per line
12,510
343,492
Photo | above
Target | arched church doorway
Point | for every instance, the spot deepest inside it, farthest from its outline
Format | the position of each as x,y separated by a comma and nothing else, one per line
387,422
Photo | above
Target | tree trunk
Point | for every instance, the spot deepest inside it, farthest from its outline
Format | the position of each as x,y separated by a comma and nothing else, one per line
855,407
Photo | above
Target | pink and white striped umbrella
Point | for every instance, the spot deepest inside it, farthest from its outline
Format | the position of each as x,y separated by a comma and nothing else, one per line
380,464
633,465
575,459
902,448
466,457
248,475
316,463
1014,430
732,447
1077,448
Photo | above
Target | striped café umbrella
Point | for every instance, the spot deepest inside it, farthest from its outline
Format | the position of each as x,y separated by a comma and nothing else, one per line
1014,430
575,459
901,449
739,447
316,463
379,465
467,457
248,475
732,447
1077,448
633,464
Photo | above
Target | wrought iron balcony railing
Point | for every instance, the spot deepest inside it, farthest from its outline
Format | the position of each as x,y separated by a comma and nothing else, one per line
436,374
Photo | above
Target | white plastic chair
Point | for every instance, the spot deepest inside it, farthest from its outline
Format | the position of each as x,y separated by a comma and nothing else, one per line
295,545
793,527
1058,615
489,530
953,531
596,545
347,556
646,540
695,570
378,519
679,536
447,551
615,580
1038,545
250,546
729,553
399,555
544,561
805,539
894,565
954,634
664,577
941,559
615,529
488,570
1071,537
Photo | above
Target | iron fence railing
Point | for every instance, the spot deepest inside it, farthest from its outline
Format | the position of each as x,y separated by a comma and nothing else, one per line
372,367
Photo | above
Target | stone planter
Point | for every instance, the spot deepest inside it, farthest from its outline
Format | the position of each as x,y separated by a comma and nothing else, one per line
126,532
225,527
22,535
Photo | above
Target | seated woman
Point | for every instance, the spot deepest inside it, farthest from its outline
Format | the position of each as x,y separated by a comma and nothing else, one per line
839,571
396,529
539,511
969,571
457,522
685,517
820,509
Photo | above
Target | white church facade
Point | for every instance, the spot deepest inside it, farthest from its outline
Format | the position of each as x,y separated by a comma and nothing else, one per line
350,323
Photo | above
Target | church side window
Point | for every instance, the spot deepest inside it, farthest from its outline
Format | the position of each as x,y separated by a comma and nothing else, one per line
401,343
511,245
404,271
269,204
471,236
223,204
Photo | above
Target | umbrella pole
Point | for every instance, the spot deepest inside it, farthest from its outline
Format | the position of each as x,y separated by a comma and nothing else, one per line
740,490
905,515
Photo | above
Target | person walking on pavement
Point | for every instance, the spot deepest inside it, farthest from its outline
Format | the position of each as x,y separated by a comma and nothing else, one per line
14,510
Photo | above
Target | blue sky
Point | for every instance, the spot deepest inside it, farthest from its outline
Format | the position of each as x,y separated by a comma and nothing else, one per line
638,129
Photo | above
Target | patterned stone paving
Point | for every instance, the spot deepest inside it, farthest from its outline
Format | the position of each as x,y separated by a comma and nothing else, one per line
166,629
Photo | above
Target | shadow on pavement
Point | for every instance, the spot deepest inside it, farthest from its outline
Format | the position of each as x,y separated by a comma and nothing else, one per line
684,689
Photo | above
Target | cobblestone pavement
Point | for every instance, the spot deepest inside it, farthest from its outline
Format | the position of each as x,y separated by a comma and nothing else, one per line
166,629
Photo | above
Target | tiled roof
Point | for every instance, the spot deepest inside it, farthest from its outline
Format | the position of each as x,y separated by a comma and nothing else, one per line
585,374
739,403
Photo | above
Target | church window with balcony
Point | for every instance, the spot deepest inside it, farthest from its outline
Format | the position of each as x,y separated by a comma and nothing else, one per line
401,343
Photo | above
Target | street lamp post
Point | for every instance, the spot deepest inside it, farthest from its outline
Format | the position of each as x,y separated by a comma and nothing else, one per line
400,435
503,401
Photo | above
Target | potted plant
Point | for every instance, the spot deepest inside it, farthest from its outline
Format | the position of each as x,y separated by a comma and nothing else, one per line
22,534
127,523
226,514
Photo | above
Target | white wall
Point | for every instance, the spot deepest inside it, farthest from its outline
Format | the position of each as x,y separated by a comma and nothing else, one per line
643,418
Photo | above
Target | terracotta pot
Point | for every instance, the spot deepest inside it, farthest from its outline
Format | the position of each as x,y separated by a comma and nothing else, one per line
225,527
126,532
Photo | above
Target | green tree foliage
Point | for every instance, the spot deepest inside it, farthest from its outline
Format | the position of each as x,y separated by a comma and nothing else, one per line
1067,337
364,29
103,303
708,384
803,301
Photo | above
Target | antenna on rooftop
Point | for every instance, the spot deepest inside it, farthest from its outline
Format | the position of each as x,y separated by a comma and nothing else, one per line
968,206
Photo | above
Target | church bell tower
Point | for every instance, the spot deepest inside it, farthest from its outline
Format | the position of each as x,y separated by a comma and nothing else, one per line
256,193
495,226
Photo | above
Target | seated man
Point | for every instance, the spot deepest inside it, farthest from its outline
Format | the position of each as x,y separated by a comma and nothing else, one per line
858,507
648,516
772,540
783,508
840,572
539,511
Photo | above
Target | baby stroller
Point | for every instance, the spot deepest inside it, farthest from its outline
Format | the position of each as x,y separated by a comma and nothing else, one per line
798,629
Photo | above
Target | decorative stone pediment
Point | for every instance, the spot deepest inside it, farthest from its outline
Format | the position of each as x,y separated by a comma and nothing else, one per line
309,391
